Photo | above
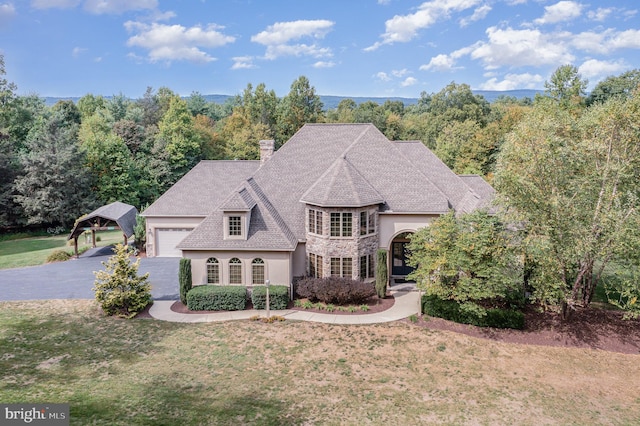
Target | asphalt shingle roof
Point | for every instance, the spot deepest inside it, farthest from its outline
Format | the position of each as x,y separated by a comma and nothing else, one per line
330,165
202,189
342,186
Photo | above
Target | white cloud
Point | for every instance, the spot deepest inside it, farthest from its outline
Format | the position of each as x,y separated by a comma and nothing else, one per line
629,39
409,81
283,32
98,7
403,28
399,73
515,48
594,69
277,36
324,64
383,76
606,41
513,82
561,11
242,62
600,14
175,42
478,14
384,2
439,62
54,4
77,51
7,12
116,7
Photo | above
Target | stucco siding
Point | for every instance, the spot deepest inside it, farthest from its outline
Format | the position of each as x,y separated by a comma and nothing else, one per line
393,224
277,265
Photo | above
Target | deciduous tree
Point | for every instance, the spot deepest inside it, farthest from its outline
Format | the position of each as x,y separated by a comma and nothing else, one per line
573,184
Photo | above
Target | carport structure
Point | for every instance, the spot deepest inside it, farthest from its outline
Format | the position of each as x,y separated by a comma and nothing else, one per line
107,218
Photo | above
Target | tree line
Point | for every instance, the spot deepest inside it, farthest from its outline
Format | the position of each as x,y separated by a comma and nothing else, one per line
567,217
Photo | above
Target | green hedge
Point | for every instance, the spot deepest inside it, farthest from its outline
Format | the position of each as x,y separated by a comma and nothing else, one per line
450,310
217,298
278,297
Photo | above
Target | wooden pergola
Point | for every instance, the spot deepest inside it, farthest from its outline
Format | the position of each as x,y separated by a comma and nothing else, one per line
107,218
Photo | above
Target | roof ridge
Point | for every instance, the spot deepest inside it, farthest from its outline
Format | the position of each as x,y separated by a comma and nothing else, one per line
272,210
355,169
419,170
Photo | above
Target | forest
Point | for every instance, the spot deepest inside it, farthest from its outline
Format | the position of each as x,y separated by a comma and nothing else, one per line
59,162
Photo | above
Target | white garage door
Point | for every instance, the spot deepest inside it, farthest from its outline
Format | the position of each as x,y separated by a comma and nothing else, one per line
168,239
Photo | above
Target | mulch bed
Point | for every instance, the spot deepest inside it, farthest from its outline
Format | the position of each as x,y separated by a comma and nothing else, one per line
375,305
591,328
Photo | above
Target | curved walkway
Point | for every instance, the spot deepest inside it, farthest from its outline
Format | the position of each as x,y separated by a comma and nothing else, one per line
407,303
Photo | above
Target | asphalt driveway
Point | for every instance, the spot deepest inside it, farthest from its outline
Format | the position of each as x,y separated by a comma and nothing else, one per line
74,279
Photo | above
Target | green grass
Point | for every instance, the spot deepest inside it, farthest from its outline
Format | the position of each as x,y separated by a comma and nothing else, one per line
147,372
17,253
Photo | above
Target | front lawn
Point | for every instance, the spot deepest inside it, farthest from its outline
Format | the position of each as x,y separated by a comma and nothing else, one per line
143,371
31,251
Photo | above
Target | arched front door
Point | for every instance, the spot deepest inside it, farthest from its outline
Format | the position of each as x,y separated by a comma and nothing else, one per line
399,265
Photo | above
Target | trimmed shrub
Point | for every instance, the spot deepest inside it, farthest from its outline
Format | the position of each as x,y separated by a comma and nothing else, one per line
184,278
382,274
450,310
217,298
58,256
339,291
505,318
278,297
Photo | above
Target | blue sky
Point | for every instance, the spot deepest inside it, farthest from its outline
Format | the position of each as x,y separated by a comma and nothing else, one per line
344,47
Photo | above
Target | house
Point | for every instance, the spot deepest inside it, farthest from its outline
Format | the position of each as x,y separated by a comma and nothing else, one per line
322,205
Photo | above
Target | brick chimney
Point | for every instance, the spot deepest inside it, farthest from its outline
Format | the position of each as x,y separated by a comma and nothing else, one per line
266,150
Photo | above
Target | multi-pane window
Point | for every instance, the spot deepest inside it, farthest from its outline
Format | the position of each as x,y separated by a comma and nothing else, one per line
318,222
372,222
366,266
315,221
341,224
346,224
315,265
341,267
213,271
367,223
235,226
235,271
347,266
257,271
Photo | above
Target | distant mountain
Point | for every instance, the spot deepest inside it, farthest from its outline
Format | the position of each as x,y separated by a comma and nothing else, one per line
332,101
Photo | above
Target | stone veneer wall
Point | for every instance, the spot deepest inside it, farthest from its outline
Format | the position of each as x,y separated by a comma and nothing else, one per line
355,246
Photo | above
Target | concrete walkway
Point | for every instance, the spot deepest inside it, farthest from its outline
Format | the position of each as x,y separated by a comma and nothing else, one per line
407,303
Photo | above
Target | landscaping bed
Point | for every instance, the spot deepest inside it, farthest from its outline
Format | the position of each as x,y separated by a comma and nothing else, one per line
592,328
374,304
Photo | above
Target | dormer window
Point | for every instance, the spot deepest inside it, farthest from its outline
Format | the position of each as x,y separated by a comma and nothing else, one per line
235,226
